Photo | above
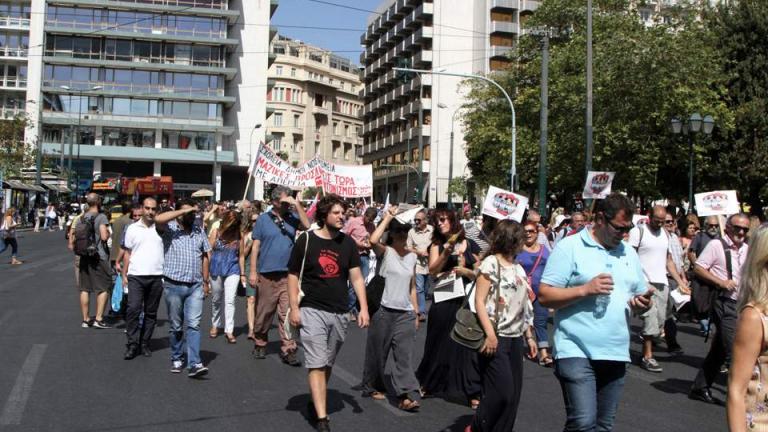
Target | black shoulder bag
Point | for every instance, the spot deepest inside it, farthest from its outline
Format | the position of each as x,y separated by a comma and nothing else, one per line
467,330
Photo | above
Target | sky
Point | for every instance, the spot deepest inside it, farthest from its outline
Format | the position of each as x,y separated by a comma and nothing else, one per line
317,13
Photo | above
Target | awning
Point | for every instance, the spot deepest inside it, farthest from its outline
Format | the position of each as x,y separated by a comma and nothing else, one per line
57,188
18,185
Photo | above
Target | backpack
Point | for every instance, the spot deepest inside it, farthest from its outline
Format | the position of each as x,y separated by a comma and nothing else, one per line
85,237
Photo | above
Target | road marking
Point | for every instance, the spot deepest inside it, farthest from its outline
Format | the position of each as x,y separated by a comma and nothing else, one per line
17,400
25,272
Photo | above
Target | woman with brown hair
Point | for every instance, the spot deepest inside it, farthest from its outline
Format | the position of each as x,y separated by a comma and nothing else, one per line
227,271
8,235
448,368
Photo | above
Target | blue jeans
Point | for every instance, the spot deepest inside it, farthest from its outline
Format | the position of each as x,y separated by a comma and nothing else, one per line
364,268
184,302
422,286
591,392
540,316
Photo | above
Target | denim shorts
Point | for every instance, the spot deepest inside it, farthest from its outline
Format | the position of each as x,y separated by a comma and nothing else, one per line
322,335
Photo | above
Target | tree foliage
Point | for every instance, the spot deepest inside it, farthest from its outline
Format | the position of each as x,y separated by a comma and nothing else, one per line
457,187
643,77
14,153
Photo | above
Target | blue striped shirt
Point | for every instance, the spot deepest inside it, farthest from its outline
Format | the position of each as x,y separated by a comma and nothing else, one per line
184,253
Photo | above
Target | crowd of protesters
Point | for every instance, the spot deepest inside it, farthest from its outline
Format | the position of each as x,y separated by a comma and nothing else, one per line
318,268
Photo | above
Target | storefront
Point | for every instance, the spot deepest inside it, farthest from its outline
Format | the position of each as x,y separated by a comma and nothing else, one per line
21,196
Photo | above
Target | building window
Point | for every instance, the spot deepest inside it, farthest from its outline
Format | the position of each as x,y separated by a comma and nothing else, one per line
278,70
335,128
346,131
296,119
296,143
128,137
278,49
336,148
277,141
293,72
317,148
277,119
188,140
347,151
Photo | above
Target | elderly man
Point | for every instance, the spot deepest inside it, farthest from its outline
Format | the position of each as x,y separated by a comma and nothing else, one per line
419,240
702,292
592,279
720,266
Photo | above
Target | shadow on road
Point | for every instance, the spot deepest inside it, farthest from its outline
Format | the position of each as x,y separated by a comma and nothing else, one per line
336,401
459,425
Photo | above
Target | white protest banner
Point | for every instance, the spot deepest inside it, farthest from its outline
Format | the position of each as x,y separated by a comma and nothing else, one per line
501,204
598,185
348,181
717,203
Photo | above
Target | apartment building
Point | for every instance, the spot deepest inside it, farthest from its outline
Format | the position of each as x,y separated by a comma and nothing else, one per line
408,119
314,105
141,87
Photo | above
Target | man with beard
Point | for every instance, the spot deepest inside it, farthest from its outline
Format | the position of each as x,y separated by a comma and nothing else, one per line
719,265
702,293
142,271
185,283
325,261
592,279
273,238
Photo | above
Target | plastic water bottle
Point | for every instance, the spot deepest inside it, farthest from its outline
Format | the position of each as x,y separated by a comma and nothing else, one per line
602,301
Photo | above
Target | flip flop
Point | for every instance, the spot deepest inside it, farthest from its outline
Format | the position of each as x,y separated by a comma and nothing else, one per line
546,362
409,405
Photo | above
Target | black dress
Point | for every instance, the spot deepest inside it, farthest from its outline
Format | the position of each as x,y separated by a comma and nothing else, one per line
447,368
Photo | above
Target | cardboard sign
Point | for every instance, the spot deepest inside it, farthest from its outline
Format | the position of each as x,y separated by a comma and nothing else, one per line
598,185
502,204
717,203
349,181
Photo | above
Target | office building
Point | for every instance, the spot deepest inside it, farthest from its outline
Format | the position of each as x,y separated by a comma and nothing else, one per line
463,37
314,105
142,87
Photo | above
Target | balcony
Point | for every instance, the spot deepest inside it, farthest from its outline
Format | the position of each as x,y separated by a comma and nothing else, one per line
145,153
529,5
504,27
133,32
148,90
423,33
423,10
10,113
8,53
504,4
154,64
14,23
134,121
320,110
500,51
196,7
423,56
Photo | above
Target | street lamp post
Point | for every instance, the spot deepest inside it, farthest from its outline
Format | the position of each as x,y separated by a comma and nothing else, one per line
450,153
250,162
513,169
388,166
79,92
692,126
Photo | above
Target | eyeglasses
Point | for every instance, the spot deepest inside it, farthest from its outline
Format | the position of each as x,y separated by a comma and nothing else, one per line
621,229
737,228
443,219
530,231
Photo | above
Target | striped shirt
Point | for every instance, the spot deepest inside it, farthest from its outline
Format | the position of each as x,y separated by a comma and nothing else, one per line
184,253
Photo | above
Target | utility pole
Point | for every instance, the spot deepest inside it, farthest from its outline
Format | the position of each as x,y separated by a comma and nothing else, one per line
543,125
588,150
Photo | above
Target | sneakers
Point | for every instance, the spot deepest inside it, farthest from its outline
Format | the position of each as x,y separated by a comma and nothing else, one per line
197,371
100,325
85,324
290,359
260,352
145,351
177,366
651,365
323,425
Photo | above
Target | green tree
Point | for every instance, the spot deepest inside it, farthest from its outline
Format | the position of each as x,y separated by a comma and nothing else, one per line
741,29
14,153
457,188
643,77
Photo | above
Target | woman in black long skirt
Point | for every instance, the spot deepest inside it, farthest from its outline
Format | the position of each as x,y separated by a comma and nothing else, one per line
447,368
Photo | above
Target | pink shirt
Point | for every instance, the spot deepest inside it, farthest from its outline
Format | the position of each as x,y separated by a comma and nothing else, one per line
712,258
355,228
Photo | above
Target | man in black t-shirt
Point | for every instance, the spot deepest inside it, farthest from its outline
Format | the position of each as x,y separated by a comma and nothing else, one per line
329,259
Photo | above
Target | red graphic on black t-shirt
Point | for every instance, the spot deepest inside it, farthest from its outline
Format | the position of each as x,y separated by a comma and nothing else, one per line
329,264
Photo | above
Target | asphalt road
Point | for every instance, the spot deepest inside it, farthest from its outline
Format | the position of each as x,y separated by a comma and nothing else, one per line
56,376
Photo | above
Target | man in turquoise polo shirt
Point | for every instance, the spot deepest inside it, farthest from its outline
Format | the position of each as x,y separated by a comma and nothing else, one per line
593,279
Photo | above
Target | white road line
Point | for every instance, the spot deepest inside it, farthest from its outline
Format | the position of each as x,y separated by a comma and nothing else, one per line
17,400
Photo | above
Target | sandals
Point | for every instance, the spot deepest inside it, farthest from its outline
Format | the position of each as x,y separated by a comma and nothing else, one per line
214,333
409,405
547,362
231,338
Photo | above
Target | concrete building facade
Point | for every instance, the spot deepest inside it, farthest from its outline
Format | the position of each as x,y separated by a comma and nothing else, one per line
314,104
463,37
144,87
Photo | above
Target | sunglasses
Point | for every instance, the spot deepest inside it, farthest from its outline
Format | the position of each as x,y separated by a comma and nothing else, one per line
669,222
737,228
713,226
443,219
621,229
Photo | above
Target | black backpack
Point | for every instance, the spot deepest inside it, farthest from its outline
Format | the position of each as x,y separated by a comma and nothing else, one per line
85,237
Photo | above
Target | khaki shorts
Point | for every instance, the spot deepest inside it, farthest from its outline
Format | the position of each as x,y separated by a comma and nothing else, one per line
322,335
95,275
653,319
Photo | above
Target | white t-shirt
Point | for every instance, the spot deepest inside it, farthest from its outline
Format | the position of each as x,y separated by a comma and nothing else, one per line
652,249
146,246
397,271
